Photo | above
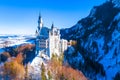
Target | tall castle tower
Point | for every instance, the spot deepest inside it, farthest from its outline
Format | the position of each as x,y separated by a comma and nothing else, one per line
40,25
54,40
41,37
40,21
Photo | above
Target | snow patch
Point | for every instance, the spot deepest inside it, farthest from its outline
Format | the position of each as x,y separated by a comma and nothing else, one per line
115,35
117,17
92,13
36,64
117,3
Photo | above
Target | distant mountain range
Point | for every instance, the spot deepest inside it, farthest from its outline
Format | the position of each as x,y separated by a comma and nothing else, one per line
98,42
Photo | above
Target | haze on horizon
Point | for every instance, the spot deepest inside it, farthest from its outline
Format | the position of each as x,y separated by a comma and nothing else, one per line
21,16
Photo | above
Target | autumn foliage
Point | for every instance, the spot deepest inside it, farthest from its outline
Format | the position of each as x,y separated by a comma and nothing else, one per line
61,72
73,42
14,68
19,58
24,47
6,54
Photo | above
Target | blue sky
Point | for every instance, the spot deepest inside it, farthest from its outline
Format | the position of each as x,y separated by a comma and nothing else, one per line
21,16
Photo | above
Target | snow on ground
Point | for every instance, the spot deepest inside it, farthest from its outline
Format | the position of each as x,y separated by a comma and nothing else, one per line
92,13
36,64
14,40
11,40
111,63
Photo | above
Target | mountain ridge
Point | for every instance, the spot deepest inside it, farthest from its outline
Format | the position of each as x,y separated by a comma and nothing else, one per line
98,42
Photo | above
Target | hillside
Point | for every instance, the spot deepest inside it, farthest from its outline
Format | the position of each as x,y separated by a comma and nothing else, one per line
97,53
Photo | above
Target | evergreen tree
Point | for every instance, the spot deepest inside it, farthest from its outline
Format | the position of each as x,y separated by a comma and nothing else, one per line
26,72
43,77
49,75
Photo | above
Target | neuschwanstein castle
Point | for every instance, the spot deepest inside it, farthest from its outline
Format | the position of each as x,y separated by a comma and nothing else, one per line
48,40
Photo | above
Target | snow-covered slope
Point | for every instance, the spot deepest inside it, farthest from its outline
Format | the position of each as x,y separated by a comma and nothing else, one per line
117,3
98,41
36,65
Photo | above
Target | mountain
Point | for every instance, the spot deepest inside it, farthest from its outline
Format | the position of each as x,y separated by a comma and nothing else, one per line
97,52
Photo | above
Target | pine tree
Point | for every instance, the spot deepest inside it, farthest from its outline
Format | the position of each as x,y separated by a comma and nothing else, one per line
49,75
43,77
26,72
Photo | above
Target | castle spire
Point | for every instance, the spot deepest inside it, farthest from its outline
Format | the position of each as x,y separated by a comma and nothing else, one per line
40,21
52,26
36,33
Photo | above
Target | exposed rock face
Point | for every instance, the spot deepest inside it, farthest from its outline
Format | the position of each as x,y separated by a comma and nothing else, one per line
98,42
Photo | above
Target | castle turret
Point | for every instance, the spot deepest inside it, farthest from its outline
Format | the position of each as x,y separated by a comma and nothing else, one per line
36,32
40,22
52,26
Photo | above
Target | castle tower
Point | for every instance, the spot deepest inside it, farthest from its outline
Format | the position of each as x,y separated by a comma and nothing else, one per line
37,33
52,26
54,40
40,24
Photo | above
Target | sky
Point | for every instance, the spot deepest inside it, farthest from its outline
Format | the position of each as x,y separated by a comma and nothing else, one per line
21,16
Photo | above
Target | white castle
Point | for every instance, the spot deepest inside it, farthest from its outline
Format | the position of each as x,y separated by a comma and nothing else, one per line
48,40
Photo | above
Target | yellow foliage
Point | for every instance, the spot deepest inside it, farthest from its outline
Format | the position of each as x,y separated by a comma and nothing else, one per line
73,42
60,72
14,70
19,58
